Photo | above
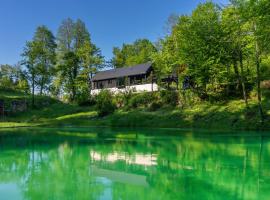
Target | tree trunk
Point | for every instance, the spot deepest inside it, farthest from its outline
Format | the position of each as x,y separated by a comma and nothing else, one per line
258,72
33,90
41,89
73,93
242,78
90,83
259,93
228,81
237,74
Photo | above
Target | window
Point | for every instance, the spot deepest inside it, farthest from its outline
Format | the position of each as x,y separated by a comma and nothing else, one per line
100,85
121,82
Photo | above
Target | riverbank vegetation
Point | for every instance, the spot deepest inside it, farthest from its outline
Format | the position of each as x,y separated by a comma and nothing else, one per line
220,54
139,110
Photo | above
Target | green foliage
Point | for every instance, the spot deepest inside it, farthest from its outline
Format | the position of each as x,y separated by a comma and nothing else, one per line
13,78
154,106
40,57
139,52
122,98
169,97
141,100
224,50
78,59
104,103
84,99
69,71
23,86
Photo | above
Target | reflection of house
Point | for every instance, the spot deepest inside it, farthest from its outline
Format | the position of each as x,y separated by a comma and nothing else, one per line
120,177
101,166
137,159
137,78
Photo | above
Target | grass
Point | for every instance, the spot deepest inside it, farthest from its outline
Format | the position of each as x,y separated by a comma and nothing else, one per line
221,116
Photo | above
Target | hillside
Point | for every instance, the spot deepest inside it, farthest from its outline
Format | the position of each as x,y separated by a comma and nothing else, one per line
51,112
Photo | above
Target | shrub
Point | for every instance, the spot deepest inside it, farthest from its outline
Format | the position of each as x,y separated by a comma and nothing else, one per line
169,97
104,103
155,106
83,98
122,99
142,99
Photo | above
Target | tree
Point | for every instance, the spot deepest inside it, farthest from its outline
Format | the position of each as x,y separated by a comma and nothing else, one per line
75,46
195,46
39,59
139,52
237,43
69,71
7,76
91,61
29,60
171,23
45,57
65,36
256,12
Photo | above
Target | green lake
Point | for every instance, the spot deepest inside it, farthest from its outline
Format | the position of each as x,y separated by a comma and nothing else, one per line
127,164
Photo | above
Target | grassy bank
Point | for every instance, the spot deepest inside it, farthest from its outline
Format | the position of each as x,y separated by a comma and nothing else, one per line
228,115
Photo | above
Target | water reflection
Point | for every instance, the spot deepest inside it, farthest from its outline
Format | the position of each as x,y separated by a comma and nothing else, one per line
136,159
45,164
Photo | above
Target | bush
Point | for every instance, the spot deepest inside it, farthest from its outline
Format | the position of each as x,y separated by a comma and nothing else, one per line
142,99
122,99
104,103
83,98
169,97
155,106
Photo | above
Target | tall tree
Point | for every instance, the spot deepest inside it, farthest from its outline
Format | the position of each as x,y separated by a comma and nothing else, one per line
198,38
29,60
65,36
75,46
91,61
69,71
256,12
237,43
45,57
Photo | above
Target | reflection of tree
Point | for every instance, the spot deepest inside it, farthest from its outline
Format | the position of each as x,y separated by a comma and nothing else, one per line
51,173
67,166
212,167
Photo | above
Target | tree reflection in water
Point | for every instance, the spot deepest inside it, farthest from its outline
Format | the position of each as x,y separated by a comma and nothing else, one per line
108,164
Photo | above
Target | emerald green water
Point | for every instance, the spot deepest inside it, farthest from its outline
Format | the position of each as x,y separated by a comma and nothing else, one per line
99,164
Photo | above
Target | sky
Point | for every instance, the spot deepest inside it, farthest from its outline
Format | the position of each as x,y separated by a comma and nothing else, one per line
110,22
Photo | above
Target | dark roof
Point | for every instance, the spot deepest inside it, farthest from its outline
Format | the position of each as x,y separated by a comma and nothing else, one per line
122,72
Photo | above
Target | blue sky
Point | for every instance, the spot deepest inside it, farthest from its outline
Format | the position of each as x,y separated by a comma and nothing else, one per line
110,22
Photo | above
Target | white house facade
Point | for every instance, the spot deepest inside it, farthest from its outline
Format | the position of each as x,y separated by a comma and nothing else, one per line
138,78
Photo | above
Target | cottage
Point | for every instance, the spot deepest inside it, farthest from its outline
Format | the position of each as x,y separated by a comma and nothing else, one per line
138,78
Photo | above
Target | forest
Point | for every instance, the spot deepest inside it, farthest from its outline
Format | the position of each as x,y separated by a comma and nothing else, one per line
223,50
